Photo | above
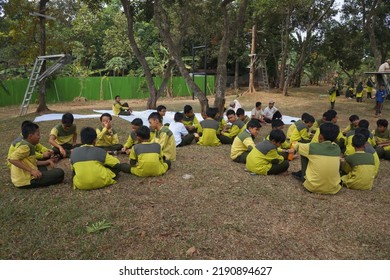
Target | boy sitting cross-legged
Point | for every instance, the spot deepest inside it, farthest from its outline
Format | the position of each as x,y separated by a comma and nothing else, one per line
164,136
93,167
63,136
146,158
227,135
107,138
26,171
132,139
243,143
209,128
190,121
361,165
264,158
320,161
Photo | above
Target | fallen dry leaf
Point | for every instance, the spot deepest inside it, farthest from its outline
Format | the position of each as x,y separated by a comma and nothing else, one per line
191,251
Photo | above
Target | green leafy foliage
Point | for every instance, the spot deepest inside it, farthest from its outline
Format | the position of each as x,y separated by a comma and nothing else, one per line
98,226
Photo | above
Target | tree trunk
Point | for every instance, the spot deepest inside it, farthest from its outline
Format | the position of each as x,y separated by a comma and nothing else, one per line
285,46
369,25
42,85
236,74
230,28
251,86
162,23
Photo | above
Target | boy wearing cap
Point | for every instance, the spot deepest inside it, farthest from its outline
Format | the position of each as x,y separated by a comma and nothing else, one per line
269,111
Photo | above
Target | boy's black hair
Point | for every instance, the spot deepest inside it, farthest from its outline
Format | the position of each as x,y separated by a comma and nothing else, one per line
364,124
304,116
382,122
277,135
309,119
330,115
178,117
24,123
240,112
187,109
329,131
258,103
116,96
253,123
353,118
363,131
29,128
143,132
230,112
358,140
106,115
277,123
88,135
211,112
277,115
67,119
137,122
160,108
155,116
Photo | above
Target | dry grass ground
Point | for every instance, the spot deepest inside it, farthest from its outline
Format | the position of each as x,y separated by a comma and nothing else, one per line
224,212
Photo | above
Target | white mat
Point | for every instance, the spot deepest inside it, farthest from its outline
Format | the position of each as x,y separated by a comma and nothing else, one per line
54,117
143,115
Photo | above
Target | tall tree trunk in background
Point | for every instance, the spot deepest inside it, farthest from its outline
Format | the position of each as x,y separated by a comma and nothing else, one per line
305,45
42,84
236,74
163,25
369,25
154,93
251,87
285,46
230,28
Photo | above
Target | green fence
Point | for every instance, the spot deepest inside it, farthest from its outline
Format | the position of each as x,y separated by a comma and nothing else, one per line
96,88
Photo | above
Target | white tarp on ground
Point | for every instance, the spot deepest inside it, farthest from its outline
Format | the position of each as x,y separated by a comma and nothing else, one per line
137,114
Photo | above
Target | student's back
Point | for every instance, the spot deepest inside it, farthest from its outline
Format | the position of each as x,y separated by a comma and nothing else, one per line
209,128
362,174
89,164
148,160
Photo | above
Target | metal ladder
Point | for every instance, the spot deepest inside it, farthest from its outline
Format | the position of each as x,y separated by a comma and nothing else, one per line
37,77
263,79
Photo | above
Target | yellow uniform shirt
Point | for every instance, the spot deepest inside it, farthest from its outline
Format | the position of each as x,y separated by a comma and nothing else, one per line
106,137
261,158
117,108
131,140
322,173
39,149
348,143
362,174
382,137
90,164
146,160
64,136
242,143
24,152
191,121
300,133
237,127
166,139
209,128
317,133
291,128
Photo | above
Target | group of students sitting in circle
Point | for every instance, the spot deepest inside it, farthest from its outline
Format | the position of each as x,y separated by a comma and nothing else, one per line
325,151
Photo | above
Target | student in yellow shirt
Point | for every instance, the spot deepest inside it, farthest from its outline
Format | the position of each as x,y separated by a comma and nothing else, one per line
132,139
227,135
26,171
349,148
63,136
163,136
119,109
294,125
209,129
354,123
382,138
361,165
264,158
241,115
41,152
285,148
301,131
320,162
146,158
93,167
243,143
107,138
190,121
